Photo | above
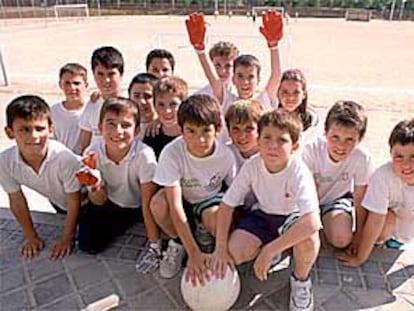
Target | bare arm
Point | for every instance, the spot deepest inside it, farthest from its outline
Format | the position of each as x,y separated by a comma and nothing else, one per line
151,228
361,213
85,139
214,81
275,74
63,246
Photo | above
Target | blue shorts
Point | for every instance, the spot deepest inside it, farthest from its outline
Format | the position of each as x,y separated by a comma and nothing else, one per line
194,211
344,203
266,227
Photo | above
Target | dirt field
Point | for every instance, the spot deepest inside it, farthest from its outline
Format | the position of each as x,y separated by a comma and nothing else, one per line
371,63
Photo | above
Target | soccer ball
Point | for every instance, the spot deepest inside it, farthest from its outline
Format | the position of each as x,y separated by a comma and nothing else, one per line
215,295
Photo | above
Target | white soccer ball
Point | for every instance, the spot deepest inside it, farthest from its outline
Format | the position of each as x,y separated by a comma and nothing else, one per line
215,295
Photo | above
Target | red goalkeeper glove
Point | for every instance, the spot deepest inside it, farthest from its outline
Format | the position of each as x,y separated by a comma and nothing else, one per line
272,28
196,28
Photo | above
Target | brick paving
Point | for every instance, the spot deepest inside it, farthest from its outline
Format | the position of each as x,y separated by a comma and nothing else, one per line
385,282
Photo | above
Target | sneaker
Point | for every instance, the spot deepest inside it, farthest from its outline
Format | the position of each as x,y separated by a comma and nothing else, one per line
275,261
204,239
149,259
301,295
171,262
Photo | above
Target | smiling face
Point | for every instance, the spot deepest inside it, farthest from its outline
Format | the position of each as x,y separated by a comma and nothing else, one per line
291,95
160,67
223,66
108,81
73,86
118,131
403,162
166,105
341,141
275,147
244,137
141,93
199,139
32,136
246,80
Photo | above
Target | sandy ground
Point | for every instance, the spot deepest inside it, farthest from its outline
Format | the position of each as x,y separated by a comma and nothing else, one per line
371,63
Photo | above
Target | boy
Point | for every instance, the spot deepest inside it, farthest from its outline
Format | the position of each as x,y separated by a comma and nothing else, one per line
222,56
169,92
160,63
388,213
141,91
246,68
341,168
127,167
192,169
66,114
242,118
285,216
44,165
108,68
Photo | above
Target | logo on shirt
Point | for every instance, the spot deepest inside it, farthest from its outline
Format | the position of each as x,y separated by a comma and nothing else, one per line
189,183
344,177
215,182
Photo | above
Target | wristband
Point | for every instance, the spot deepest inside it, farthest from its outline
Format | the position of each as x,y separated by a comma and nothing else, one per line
199,47
273,48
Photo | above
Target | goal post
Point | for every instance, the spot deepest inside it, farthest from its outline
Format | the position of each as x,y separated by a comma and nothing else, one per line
71,10
3,69
363,15
259,10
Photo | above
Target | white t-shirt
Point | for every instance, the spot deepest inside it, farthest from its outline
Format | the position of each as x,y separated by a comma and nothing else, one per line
123,180
199,178
313,132
56,177
386,191
336,179
89,120
290,190
66,124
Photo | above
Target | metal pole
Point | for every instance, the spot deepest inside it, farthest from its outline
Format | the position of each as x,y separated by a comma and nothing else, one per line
402,9
3,69
225,7
216,6
392,9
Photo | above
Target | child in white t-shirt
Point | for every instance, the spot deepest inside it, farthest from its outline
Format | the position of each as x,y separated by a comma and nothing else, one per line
246,68
66,114
107,68
126,166
285,216
388,206
192,169
341,168
41,164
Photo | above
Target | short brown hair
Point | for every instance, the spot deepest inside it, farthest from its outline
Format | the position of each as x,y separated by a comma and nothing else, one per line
247,60
348,114
27,107
199,110
171,84
403,133
119,105
243,111
223,49
74,69
282,120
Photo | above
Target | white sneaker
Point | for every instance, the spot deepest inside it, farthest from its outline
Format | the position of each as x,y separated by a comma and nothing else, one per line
301,295
275,261
172,260
149,259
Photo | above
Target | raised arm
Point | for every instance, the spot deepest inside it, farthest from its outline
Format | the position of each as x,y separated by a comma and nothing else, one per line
33,243
196,29
272,30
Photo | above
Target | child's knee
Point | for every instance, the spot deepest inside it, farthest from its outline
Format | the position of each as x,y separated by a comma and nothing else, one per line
159,207
209,219
340,238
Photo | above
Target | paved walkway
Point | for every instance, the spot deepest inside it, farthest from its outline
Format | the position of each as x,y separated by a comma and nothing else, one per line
386,282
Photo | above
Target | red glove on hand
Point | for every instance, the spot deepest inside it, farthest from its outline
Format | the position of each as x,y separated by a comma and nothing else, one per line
89,175
196,28
272,28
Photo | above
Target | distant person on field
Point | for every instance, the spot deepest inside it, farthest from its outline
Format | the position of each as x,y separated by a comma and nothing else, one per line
123,168
42,164
66,114
341,168
108,68
387,214
160,63
140,90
